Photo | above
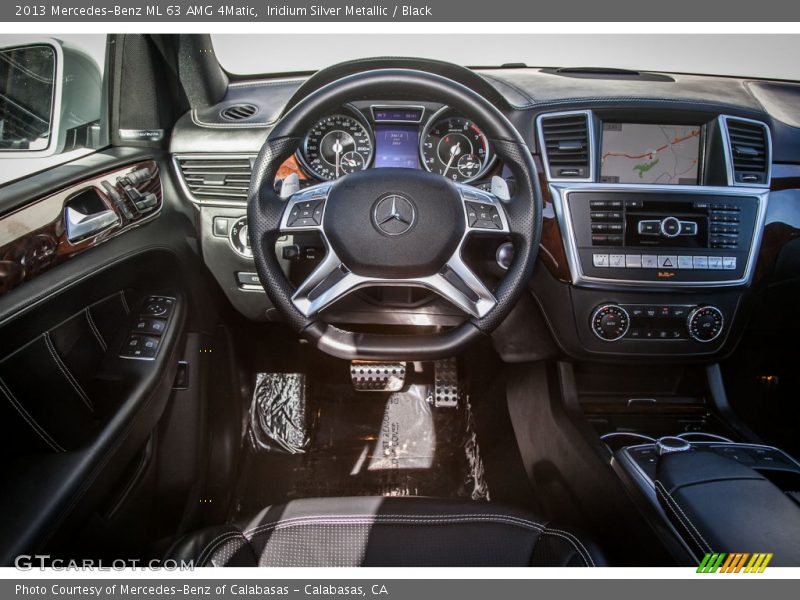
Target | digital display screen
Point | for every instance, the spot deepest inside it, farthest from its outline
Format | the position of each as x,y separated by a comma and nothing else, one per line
397,146
647,153
412,115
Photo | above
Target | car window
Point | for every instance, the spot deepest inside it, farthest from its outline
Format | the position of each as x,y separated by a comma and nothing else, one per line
51,94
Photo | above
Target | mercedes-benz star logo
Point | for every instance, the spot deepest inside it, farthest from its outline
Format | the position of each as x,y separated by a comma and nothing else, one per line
394,214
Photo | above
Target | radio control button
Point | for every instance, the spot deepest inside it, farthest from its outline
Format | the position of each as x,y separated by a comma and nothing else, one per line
649,227
599,240
600,260
670,227
685,262
649,261
615,240
667,262
594,204
714,262
617,260
688,228
633,261
634,203
729,262
700,262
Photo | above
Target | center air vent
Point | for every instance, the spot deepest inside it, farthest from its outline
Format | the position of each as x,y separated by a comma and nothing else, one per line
210,178
749,146
566,145
238,112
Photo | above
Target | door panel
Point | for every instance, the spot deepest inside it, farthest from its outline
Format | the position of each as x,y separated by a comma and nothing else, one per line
74,413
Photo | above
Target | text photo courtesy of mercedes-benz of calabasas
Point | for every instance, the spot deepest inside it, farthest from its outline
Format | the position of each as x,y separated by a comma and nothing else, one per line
394,311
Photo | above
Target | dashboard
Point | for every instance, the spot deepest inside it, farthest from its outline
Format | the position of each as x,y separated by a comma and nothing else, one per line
663,205
409,136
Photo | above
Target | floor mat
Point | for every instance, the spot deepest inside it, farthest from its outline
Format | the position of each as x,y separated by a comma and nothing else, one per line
307,440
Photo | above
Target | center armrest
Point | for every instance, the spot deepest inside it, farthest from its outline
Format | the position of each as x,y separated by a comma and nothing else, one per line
720,505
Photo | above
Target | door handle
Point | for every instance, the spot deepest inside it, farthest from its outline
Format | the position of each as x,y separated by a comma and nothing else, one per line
80,225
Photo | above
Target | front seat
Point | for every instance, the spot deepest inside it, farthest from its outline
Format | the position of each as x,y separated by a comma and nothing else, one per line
374,531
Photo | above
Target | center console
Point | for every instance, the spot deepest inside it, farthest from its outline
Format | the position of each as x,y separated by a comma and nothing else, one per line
719,497
661,214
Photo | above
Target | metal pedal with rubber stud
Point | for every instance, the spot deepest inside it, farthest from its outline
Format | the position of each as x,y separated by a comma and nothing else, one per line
369,376
446,392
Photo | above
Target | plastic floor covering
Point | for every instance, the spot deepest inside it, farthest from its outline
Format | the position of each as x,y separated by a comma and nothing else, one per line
328,440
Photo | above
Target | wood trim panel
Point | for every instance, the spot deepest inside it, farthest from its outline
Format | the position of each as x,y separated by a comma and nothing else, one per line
551,247
33,239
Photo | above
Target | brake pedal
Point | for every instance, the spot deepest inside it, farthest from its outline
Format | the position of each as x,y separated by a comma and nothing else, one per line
369,376
446,392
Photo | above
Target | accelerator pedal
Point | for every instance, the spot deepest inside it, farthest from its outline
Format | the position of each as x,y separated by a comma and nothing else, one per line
371,376
446,392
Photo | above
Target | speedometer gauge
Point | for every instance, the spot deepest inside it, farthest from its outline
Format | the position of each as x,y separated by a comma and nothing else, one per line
454,147
337,145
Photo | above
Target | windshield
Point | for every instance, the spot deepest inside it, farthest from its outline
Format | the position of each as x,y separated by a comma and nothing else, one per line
762,56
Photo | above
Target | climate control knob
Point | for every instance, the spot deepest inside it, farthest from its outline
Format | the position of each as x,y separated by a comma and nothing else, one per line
610,322
705,323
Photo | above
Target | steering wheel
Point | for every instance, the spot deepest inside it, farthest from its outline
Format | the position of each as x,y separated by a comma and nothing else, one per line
384,227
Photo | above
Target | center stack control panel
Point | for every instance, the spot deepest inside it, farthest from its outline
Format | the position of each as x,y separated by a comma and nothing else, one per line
665,237
613,322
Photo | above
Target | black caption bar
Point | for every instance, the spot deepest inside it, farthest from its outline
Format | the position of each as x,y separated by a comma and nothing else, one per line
393,589
412,11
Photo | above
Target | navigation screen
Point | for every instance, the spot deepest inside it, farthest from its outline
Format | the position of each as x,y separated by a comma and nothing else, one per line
640,153
397,146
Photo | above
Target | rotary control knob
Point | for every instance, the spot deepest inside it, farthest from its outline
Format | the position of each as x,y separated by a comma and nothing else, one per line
705,323
610,322
670,227
669,444
238,238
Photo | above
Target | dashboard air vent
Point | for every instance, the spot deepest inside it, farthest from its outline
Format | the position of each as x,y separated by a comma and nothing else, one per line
221,178
749,150
566,145
238,112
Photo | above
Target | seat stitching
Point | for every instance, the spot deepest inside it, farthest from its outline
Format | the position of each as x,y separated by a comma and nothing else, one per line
65,371
28,418
578,552
87,311
330,520
587,556
685,521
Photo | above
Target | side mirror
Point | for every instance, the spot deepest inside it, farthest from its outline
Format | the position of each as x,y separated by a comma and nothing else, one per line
50,100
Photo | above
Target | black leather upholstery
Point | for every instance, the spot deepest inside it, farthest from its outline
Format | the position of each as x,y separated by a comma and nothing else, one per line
719,505
369,531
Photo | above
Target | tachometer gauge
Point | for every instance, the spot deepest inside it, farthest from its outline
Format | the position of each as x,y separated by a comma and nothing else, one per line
454,147
337,145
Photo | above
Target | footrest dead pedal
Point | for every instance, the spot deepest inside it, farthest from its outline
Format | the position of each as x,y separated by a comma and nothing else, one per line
369,376
446,392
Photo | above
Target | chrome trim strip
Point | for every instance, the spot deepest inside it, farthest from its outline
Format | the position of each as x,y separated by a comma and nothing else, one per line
726,148
560,194
592,151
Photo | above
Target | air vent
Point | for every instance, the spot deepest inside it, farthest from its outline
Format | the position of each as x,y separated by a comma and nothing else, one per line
216,178
566,145
238,112
749,150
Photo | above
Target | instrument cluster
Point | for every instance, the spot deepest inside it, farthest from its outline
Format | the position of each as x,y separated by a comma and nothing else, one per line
437,139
